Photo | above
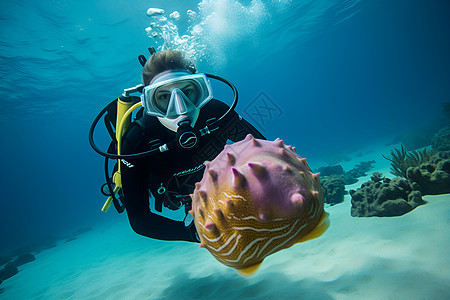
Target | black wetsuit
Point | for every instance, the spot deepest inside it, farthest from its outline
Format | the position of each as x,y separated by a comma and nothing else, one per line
171,175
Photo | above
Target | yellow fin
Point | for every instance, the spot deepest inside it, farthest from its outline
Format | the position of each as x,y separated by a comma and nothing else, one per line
321,227
247,272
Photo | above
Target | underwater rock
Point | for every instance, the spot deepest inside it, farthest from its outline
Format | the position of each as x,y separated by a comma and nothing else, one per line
8,271
333,188
256,197
432,177
24,259
441,140
387,198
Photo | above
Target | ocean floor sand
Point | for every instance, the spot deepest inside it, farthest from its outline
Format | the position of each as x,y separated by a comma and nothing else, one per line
404,257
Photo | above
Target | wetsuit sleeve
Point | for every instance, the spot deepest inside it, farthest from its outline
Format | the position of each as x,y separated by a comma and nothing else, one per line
135,185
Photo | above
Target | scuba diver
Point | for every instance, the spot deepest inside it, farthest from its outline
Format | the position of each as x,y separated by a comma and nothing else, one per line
161,153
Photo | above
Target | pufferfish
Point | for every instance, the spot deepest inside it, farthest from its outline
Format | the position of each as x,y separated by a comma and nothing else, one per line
256,197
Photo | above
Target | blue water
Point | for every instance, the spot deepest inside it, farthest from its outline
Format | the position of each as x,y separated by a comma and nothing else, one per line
339,76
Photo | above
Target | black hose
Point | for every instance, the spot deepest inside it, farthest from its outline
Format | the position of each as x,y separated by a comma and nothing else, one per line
235,100
120,208
110,155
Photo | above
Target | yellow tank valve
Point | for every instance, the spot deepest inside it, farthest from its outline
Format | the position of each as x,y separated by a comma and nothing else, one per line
117,179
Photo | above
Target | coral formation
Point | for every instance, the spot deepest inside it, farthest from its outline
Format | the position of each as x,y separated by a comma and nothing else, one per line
333,187
431,171
382,197
433,177
334,179
422,172
256,198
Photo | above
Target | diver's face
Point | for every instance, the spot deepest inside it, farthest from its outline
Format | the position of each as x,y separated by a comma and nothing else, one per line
164,93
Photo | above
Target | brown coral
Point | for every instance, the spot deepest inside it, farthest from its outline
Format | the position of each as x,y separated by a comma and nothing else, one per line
385,199
433,177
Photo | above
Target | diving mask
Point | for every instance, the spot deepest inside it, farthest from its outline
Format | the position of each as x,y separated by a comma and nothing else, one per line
176,96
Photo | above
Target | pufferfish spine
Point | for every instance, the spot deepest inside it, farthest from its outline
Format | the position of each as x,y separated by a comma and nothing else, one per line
256,198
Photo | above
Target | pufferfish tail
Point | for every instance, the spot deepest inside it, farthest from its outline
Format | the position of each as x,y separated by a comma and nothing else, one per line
321,227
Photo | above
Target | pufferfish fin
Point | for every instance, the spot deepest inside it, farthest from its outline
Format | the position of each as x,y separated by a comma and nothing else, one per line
321,227
247,272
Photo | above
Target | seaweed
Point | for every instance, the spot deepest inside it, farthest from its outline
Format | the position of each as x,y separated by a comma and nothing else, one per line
401,160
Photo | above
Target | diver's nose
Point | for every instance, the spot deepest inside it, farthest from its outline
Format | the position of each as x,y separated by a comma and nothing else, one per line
180,104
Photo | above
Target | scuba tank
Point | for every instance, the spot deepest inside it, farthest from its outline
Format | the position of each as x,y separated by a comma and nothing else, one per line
125,106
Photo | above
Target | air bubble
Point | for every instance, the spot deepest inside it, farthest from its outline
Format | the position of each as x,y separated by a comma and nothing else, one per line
175,16
151,12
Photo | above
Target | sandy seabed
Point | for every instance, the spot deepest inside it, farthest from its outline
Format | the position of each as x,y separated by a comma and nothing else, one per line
406,257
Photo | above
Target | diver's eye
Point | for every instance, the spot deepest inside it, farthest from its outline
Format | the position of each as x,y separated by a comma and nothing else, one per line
188,91
162,100
191,92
